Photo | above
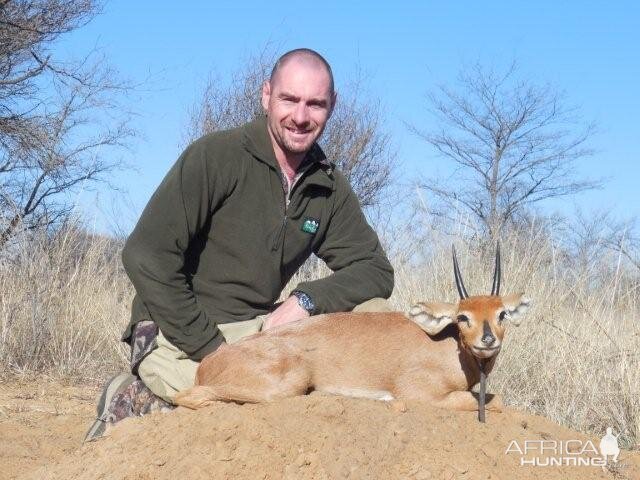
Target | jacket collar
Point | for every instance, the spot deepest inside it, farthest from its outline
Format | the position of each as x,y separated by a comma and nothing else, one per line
258,142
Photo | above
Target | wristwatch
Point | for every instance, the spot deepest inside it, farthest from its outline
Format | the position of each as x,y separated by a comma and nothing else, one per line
305,301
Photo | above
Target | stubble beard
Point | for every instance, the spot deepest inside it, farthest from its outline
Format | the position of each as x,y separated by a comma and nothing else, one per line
281,135
295,148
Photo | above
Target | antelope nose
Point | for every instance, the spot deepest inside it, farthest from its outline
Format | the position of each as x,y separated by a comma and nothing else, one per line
487,336
488,339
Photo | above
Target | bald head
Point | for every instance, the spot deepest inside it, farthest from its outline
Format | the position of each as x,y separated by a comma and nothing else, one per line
298,99
303,56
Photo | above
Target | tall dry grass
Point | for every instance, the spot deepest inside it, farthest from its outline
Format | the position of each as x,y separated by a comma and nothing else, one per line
64,302
575,358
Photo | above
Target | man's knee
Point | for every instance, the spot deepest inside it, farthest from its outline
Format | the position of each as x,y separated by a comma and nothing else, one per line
236,331
166,370
374,305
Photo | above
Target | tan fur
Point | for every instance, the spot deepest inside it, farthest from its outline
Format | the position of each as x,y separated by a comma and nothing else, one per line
373,355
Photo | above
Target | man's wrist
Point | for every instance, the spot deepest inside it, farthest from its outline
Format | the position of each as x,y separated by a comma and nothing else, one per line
305,301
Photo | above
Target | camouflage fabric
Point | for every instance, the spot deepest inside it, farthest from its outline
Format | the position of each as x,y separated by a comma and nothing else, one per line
143,341
136,400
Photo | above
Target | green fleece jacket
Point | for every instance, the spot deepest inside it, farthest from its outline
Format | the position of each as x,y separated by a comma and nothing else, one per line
219,240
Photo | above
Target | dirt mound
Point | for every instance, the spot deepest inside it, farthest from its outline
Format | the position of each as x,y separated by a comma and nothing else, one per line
41,421
317,437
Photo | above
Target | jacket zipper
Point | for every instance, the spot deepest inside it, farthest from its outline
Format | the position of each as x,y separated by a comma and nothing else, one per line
287,200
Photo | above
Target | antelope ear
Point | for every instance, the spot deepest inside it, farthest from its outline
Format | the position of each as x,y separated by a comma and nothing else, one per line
432,317
516,305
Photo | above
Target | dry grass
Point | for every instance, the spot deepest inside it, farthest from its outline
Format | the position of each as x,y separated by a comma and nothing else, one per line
575,358
64,304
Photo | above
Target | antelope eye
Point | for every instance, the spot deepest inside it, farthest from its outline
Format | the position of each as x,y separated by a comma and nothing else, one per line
502,316
463,318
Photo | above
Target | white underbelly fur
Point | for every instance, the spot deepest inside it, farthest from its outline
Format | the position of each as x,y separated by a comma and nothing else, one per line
383,395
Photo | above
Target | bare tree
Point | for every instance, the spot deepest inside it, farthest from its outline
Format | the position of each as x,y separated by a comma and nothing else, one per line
513,144
354,138
59,118
597,234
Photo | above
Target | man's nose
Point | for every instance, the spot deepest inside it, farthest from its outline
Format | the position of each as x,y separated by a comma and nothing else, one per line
301,114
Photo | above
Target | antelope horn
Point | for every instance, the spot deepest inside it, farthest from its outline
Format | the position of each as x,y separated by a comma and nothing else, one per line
495,289
456,271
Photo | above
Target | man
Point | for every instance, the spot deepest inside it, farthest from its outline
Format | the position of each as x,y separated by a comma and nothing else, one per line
232,221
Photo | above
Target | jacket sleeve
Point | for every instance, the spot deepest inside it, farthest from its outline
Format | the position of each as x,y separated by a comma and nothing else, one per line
154,254
351,249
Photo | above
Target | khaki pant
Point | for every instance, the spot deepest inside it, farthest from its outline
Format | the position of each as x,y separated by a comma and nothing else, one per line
168,370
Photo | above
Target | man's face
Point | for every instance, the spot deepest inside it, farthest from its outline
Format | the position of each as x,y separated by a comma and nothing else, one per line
298,104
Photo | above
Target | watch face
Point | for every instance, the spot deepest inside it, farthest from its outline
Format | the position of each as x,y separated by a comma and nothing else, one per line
305,301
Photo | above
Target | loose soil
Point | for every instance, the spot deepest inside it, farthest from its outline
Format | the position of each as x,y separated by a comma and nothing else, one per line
42,423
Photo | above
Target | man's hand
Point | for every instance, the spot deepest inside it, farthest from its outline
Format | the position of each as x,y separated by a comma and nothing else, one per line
289,311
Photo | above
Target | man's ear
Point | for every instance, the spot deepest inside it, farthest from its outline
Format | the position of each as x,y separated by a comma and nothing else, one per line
516,305
266,95
334,99
432,317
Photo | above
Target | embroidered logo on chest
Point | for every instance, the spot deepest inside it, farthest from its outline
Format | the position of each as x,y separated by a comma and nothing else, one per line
310,225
